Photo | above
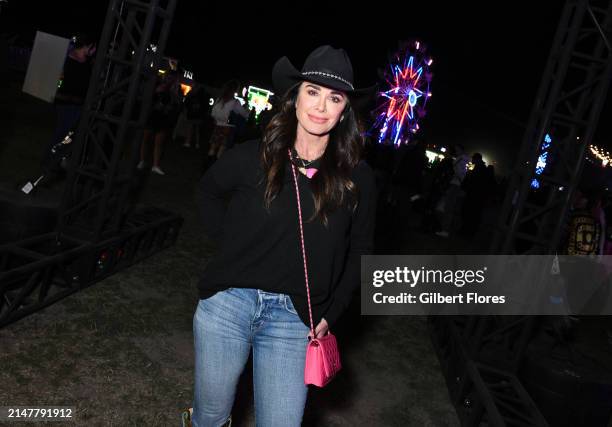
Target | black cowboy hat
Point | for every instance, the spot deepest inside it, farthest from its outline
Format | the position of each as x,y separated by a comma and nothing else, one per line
326,66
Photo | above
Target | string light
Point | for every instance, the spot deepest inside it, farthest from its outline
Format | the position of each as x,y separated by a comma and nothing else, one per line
601,155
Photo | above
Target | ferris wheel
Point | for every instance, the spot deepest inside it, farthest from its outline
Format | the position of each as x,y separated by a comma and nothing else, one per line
407,84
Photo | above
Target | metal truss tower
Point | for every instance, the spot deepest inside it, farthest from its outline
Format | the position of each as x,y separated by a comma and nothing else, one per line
560,129
481,355
100,231
96,199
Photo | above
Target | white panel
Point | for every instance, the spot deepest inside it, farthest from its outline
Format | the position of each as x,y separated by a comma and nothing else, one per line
46,65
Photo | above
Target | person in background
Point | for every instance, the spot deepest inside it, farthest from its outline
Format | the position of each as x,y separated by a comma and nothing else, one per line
448,203
221,110
72,90
587,225
195,108
478,186
266,115
162,119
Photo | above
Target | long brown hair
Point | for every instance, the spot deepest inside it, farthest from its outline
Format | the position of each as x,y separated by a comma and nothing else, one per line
332,185
228,90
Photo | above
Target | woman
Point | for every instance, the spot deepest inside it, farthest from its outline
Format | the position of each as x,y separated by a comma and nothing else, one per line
195,108
253,293
71,94
161,120
223,107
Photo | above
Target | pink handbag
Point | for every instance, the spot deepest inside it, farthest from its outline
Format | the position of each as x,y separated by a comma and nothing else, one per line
322,355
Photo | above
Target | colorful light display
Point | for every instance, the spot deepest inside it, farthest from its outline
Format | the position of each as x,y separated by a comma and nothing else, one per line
601,155
542,160
258,99
432,156
403,103
185,89
187,82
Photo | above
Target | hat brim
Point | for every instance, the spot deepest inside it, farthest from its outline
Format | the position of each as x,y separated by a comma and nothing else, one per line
285,77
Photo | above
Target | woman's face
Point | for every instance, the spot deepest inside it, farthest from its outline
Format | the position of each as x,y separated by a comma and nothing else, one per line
318,109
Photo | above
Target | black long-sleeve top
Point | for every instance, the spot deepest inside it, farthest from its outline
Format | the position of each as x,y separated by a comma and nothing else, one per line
261,249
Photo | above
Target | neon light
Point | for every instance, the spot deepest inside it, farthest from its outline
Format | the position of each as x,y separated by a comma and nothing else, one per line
185,89
600,155
258,99
541,164
402,104
432,156
542,160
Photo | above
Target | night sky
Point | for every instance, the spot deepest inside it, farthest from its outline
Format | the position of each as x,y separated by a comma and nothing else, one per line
488,57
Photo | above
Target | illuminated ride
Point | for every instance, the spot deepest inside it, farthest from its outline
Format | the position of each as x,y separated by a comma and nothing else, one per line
402,105
258,99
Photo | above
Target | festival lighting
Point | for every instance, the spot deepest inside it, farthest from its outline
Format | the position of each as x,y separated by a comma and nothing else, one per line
432,156
402,105
185,89
542,160
258,99
241,100
601,155
187,82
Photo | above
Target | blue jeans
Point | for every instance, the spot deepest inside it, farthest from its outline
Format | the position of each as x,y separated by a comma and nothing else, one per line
226,326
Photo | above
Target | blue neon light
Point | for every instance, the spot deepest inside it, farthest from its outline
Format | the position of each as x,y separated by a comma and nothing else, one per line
542,160
403,103
412,98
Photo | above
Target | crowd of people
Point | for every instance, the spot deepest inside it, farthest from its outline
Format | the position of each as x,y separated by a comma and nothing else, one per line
191,121
449,194
173,115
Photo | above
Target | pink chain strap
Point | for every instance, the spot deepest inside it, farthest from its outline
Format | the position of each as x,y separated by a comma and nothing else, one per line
297,193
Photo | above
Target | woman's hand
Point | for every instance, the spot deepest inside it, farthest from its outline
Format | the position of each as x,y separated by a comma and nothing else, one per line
321,329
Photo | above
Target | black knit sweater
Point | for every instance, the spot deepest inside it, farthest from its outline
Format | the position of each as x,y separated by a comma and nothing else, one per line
261,249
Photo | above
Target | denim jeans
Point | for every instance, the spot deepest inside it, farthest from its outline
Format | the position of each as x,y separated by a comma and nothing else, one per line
226,326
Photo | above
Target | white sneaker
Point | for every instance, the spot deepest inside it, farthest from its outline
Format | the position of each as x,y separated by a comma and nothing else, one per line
140,164
157,170
442,233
